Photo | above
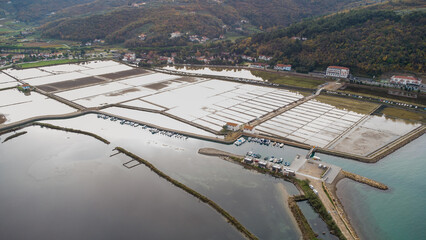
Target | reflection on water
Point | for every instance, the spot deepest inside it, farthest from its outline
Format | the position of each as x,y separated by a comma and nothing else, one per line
227,72
56,185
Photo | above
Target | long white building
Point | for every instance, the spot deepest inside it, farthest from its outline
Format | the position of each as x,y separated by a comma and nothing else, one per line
337,71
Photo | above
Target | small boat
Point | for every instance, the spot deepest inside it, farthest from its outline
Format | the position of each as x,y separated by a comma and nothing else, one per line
281,145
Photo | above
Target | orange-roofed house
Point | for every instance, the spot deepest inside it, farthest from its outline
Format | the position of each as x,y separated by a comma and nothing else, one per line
232,126
248,129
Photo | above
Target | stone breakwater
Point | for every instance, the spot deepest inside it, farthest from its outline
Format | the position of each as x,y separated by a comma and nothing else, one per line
364,180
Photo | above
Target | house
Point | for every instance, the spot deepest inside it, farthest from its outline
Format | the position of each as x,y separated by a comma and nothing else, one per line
248,129
232,126
175,34
405,80
299,38
277,167
129,57
142,37
26,87
265,58
282,67
259,65
337,71
248,58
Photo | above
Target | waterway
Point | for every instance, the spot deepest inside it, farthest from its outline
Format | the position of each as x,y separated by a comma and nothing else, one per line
315,221
258,201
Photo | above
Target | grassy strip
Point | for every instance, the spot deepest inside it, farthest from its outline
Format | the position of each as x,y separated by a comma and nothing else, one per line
404,114
287,79
14,136
307,232
204,199
48,63
348,104
316,203
46,125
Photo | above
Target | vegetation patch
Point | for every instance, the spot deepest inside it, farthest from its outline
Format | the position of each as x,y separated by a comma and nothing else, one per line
404,114
46,125
290,80
48,63
305,228
317,205
348,104
14,136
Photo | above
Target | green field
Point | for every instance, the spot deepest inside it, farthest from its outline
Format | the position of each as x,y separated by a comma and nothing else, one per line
348,104
48,63
404,114
290,80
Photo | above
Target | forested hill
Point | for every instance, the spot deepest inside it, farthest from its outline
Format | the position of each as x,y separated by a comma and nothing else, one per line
33,10
371,40
159,18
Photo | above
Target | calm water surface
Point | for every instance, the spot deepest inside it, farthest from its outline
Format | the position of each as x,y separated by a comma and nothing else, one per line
56,185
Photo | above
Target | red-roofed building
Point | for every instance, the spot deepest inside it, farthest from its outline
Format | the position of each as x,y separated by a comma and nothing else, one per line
337,71
248,129
232,126
282,67
405,80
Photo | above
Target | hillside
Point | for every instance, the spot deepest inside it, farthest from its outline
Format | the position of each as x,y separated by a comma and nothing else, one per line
34,10
371,40
157,19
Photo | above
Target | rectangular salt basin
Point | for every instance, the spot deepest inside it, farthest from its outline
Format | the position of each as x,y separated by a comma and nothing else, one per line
143,104
34,105
92,91
271,132
100,64
208,124
316,142
106,70
55,78
8,85
225,119
26,73
13,96
114,97
4,78
295,138
148,79
64,68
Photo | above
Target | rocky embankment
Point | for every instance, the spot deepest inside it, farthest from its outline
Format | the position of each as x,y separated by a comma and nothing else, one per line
364,180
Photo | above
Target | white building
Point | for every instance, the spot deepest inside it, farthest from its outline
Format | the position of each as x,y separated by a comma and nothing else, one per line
282,67
405,80
248,129
259,65
337,71
175,34
265,58
232,126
